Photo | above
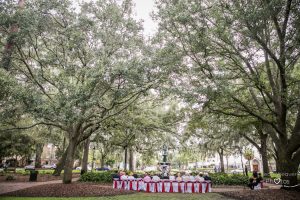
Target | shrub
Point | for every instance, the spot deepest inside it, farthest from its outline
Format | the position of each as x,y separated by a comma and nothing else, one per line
2,173
226,179
175,171
46,171
102,177
76,171
10,178
153,172
139,172
23,172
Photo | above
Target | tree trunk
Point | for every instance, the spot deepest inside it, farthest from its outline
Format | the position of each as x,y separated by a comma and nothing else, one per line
221,155
64,144
38,155
276,165
125,158
287,160
85,155
264,155
288,173
61,164
131,160
287,168
69,161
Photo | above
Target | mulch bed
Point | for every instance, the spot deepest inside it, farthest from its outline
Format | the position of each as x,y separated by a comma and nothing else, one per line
68,190
40,178
228,186
265,194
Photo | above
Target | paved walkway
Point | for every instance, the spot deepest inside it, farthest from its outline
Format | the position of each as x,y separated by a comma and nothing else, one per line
11,187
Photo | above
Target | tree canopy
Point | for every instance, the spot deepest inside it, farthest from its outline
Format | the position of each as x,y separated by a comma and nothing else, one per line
216,74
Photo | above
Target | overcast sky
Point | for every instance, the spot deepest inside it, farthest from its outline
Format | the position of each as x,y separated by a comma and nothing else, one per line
142,11
143,8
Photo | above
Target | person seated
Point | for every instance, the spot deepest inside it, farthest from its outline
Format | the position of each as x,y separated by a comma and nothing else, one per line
253,181
206,177
192,178
156,178
199,177
147,178
259,179
178,178
172,178
123,176
135,175
116,175
186,177
130,176
255,174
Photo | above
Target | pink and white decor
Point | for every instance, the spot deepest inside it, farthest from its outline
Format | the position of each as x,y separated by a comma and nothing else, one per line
163,186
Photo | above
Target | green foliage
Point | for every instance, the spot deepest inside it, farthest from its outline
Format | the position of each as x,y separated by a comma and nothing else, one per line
2,173
153,172
22,172
77,67
45,171
248,154
102,177
110,162
217,178
10,178
228,179
15,143
76,171
41,172
232,64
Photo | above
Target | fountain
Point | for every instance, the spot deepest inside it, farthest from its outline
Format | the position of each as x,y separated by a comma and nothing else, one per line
165,166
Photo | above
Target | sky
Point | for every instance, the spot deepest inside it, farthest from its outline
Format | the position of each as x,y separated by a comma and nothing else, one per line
143,9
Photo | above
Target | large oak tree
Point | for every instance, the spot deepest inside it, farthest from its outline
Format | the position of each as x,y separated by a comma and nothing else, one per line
243,56
81,67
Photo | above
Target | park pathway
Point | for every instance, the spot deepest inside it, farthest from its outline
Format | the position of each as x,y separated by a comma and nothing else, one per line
11,187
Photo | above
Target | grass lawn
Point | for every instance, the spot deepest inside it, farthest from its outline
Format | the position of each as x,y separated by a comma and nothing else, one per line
139,196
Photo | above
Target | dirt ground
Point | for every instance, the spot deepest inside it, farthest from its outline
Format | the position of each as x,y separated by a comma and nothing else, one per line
76,189
267,194
79,189
40,178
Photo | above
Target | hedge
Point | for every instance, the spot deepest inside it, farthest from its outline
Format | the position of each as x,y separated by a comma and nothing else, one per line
216,178
228,179
102,177
41,171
